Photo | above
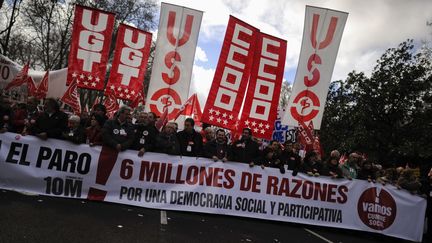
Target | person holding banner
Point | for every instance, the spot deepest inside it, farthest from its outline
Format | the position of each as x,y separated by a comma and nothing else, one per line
246,150
312,164
191,142
52,122
217,149
166,141
76,133
272,156
145,134
94,131
118,133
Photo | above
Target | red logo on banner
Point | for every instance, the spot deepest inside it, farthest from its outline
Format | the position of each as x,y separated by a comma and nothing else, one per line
129,64
231,75
377,208
72,98
91,38
20,78
262,98
176,30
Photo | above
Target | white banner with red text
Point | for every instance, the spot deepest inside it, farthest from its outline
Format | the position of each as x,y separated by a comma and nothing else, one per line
174,56
60,168
90,46
322,34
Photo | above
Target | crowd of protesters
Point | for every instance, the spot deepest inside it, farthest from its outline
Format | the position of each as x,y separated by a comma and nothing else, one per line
138,132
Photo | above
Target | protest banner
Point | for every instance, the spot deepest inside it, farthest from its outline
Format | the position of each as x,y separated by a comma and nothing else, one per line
62,169
322,34
90,46
173,61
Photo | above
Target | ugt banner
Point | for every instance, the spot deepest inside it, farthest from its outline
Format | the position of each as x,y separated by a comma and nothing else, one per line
130,62
262,98
232,73
62,169
322,34
90,46
172,66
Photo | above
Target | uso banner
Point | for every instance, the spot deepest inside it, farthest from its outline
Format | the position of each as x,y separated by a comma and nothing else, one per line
262,98
130,62
59,168
172,66
322,34
90,46
232,75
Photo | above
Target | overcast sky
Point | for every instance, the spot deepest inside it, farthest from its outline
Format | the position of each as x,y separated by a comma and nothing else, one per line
372,27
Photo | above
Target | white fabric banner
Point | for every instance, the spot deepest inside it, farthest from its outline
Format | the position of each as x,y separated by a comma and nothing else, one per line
322,34
59,168
172,65
56,78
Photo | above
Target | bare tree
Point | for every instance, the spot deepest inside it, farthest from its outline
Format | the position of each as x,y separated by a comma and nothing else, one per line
285,94
5,34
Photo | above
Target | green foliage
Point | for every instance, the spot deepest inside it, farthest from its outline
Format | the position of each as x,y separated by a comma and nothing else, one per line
388,115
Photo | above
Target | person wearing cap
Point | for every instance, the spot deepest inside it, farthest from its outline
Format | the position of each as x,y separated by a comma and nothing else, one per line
94,131
75,133
118,133
246,150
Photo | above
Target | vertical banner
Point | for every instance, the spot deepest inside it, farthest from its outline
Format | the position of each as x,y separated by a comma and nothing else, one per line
130,62
262,97
322,34
231,76
90,46
172,66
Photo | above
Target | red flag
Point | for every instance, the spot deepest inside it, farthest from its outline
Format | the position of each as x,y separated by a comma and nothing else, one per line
262,98
20,78
163,120
139,99
96,101
71,98
191,108
306,135
317,146
42,89
129,63
31,87
90,45
231,76
111,104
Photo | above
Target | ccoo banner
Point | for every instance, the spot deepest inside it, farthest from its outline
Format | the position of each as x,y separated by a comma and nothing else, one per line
322,34
262,97
62,169
130,62
90,46
232,74
172,66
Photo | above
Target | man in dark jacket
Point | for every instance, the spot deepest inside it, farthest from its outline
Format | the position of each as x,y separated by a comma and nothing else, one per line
331,168
52,123
312,165
166,141
291,157
246,150
145,135
191,142
117,133
217,149
75,133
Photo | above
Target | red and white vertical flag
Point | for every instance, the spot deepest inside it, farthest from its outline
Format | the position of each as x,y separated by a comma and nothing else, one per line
90,46
42,89
20,78
232,74
262,97
71,97
138,99
130,62
322,34
172,66
31,87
